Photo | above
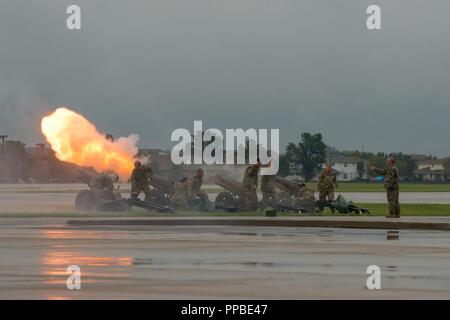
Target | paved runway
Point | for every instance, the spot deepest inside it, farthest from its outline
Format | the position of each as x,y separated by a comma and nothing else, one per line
218,262
60,197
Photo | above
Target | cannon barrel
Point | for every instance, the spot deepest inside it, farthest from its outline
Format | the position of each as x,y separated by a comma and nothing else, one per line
229,184
162,184
288,185
149,205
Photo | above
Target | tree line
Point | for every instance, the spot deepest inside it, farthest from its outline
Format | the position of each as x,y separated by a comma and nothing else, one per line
309,155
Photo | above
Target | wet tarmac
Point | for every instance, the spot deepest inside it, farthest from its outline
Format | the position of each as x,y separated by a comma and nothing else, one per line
171,262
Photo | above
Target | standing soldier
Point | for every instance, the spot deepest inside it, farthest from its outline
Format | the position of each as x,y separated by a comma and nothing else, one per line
199,199
268,189
250,184
140,180
325,186
391,185
195,184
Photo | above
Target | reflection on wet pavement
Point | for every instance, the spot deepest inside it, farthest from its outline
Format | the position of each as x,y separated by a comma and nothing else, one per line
56,263
56,259
393,235
220,262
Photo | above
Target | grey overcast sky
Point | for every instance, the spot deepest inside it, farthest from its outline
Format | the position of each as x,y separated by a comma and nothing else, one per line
152,66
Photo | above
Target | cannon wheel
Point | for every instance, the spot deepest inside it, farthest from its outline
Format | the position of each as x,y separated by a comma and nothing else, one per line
85,201
159,197
225,198
239,200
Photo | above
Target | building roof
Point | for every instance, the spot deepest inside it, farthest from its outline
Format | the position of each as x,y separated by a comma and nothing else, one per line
39,150
432,162
339,158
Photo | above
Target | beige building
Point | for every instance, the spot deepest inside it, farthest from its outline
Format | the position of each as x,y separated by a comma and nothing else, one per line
431,170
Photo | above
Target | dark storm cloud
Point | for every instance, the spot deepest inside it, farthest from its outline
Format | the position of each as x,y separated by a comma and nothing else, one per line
149,67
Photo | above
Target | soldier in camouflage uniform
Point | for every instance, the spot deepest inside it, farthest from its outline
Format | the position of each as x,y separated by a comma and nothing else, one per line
140,180
103,188
391,185
107,198
325,186
195,184
180,197
198,199
250,185
269,190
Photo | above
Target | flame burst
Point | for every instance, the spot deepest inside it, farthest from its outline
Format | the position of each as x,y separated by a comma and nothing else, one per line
74,139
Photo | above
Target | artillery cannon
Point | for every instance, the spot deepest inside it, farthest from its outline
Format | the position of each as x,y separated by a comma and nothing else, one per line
289,189
163,190
342,206
87,201
234,194
299,195
234,197
295,194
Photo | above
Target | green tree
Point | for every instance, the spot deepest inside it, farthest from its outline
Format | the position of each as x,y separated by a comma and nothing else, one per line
309,153
283,170
446,165
405,165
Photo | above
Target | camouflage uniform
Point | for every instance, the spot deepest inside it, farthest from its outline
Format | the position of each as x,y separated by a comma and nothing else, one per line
195,186
325,186
305,198
180,197
107,198
250,184
140,181
103,188
268,189
392,189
